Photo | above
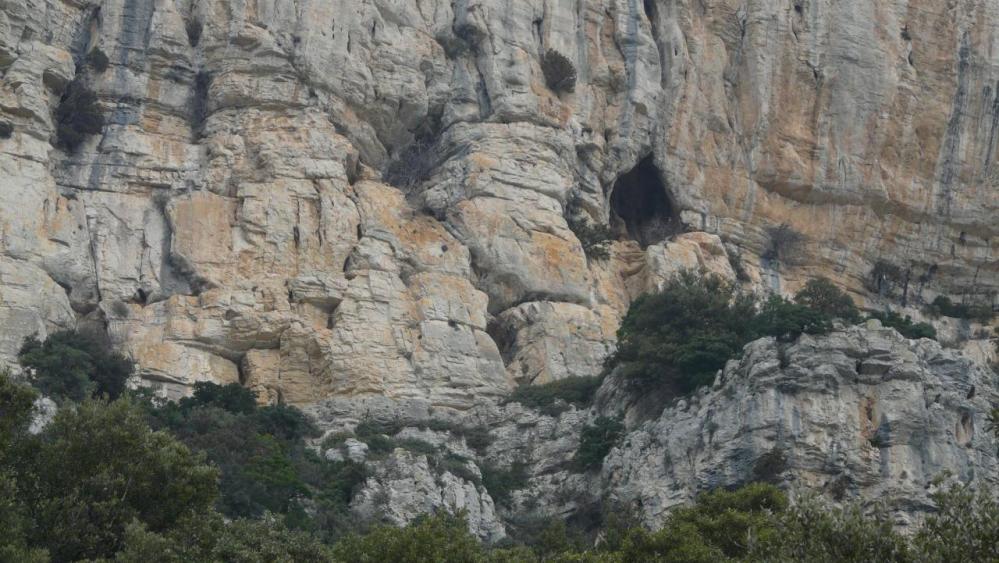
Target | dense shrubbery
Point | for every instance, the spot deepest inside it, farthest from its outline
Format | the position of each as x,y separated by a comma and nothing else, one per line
98,483
556,397
502,482
679,338
560,73
262,453
904,325
78,116
943,306
595,442
823,296
74,366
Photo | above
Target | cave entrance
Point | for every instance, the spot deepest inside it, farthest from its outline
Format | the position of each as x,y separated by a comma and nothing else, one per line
641,208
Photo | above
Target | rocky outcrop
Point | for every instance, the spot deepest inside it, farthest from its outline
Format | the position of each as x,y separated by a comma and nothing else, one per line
860,415
234,219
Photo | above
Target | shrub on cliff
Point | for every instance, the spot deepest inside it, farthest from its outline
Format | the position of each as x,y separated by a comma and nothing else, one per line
263,456
555,397
904,325
71,365
560,73
679,338
77,116
823,296
595,442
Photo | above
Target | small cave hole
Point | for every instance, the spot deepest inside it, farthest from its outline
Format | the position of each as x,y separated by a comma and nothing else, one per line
642,207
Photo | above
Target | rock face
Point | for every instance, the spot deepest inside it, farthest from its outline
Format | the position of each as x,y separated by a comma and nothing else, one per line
859,415
234,220
371,199
862,413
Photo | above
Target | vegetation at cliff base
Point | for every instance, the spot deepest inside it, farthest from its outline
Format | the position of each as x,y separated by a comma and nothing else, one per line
217,477
73,365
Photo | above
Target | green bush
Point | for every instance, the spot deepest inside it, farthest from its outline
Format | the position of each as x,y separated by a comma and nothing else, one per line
595,442
943,306
555,397
595,239
77,116
266,464
786,321
74,366
904,325
98,467
678,338
560,73
823,296
502,482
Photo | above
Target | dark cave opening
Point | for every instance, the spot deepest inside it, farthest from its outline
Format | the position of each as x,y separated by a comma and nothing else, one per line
641,206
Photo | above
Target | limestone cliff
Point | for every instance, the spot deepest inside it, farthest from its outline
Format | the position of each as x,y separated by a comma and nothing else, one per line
367,200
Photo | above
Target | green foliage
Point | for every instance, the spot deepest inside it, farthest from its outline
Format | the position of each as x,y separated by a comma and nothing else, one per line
555,397
904,325
560,73
811,530
595,442
208,538
784,245
965,527
595,239
786,321
77,116
456,465
96,468
823,296
74,366
265,462
769,466
721,526
678,338
502,482
440,538
943,306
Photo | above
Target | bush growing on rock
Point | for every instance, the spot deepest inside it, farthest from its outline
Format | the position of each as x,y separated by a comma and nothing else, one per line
594,238
677,339
943,306
77,116
595,442
904,325
556,397
72,365
823,296
560,73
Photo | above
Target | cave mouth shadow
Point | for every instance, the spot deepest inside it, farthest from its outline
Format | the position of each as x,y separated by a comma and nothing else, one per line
641,206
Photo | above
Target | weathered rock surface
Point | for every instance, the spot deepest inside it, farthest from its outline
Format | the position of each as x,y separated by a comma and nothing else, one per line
366,200
863,413
859,415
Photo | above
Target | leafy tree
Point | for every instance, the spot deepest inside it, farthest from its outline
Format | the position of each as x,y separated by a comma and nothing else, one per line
596,441
965,527
823,296
78,116
208,538
97,467
682,335
811,530
721,526
71,365
787,321
266,465
441,538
